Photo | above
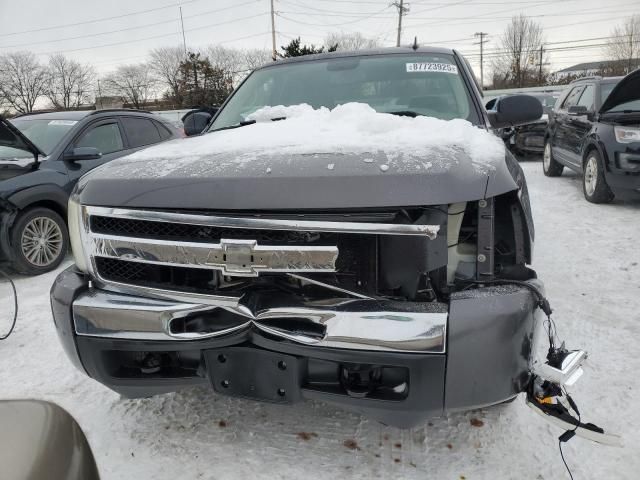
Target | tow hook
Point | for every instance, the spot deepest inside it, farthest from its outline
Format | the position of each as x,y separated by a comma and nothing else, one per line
548,397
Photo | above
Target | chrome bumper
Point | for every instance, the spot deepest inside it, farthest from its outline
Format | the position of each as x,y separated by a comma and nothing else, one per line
360,324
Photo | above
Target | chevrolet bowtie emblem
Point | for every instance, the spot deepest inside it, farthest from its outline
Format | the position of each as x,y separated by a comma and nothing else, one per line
245,258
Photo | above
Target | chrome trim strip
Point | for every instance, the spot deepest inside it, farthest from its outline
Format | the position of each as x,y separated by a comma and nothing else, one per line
238,258
170,295
430,231
356,324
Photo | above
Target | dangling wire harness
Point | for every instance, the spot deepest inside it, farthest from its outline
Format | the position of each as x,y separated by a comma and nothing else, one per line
15,306
541,392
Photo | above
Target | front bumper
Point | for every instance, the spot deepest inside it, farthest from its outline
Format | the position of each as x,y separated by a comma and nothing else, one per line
477,352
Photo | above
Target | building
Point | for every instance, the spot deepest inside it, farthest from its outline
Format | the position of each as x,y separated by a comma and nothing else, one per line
600,67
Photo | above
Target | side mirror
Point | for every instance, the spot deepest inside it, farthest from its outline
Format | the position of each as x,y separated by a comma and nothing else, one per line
83,153
195,122
577,110
515,110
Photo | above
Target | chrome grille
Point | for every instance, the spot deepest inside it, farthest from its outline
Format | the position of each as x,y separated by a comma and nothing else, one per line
176,251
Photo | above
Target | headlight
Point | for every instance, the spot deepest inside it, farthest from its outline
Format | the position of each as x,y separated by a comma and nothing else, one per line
76,226
627,134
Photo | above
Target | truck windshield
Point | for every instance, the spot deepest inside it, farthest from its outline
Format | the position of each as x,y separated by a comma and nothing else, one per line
418,84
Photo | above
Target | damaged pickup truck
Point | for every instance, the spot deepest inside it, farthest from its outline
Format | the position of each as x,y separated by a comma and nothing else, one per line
346,229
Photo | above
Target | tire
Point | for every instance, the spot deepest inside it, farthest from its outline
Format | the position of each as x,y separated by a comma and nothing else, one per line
594,185
40,241
550,166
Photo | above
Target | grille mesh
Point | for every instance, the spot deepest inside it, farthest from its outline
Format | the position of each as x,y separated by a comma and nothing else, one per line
123,271
199,233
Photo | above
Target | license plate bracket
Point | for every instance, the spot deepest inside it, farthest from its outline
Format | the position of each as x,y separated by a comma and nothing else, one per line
255,374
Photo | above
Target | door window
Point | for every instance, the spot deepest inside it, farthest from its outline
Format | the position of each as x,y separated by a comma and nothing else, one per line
106,138
572,98
164,133
587,98
140,131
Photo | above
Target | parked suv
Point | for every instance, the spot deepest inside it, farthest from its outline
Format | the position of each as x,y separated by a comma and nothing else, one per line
280,257
595,130
41,158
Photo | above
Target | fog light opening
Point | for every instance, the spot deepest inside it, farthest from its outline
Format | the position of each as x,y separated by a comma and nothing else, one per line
360,381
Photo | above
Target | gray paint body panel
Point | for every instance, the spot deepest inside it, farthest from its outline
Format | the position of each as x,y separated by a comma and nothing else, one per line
490,346
298,182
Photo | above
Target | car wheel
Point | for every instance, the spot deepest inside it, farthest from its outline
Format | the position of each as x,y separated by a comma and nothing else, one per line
550,167
40,241
594,184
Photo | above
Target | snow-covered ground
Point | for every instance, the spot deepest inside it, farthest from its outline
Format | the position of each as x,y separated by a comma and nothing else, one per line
587,255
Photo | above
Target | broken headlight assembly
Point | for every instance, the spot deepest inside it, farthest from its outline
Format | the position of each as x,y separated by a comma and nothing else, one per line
75,221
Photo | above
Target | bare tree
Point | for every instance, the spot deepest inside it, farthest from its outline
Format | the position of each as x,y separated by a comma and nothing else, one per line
165,64
624,45
255,58
23,80
230,61
351,41
517,63
134,83
69,82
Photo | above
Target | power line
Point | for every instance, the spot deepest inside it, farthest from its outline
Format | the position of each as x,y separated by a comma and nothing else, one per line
331,13
136,27
103,19
333,24
157,36
492,14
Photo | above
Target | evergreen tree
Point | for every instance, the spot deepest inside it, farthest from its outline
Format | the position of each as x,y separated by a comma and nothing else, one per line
294,49
201,83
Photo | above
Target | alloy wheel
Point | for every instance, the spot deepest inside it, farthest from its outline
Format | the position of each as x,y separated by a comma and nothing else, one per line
41,241
591,175
546,157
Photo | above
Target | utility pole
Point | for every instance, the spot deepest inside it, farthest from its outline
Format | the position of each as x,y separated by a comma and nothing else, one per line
481,43
184,40
402,11
99,95
540,65
274,53
630,53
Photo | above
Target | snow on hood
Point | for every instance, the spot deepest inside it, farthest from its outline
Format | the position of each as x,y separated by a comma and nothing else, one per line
352,128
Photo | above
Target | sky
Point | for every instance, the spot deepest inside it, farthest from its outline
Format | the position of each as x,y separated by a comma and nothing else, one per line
113,32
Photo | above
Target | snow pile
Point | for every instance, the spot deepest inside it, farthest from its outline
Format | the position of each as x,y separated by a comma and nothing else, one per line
350,128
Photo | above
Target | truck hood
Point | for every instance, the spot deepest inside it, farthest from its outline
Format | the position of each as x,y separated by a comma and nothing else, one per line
348,157
238,181
626,90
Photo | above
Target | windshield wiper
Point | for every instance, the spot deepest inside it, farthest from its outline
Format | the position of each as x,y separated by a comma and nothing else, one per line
405,113
244,123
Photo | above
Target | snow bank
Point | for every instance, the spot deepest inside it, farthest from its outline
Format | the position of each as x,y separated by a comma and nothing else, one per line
350,128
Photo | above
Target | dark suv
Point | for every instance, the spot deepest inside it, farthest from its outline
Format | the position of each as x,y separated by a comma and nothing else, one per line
41,158
595,130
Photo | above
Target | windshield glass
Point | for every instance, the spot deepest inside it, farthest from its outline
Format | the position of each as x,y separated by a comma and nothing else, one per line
44,133
428,85
605,90
546,100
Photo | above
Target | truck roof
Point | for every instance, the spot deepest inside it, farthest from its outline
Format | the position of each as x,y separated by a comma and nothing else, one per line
361,53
